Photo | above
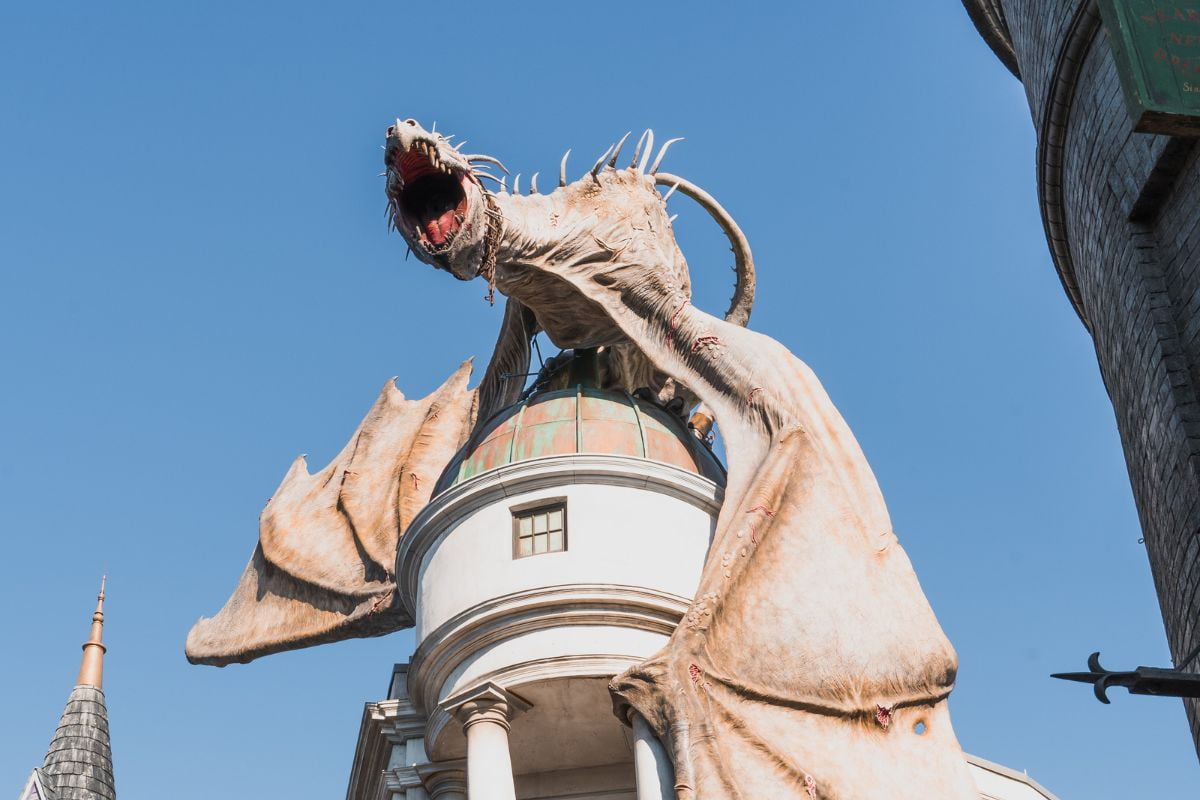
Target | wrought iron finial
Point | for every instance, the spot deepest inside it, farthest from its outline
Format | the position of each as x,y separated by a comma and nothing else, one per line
1143,680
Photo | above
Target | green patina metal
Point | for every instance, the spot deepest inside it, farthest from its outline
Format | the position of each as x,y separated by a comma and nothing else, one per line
1156,46
580,419
512,444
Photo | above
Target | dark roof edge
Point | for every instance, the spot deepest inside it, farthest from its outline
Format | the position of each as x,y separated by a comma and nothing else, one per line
1011,774
988,16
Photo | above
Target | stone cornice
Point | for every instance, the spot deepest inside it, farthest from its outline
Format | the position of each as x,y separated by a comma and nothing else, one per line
602,665
385,724
504,617
397,720
452,505
400,779
370,758
1009,774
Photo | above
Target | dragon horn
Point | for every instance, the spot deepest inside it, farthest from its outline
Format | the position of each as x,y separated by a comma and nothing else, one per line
487,159
533,183
663,152
637,151
612,162
670,192
517,184
600,162
743,293
562,169
641,166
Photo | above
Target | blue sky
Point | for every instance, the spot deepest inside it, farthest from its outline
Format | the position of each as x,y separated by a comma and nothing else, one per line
197,284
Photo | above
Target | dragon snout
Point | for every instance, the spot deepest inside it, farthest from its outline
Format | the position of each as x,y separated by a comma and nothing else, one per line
395,128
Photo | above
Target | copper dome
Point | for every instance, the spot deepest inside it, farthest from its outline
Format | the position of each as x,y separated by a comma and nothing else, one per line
582,420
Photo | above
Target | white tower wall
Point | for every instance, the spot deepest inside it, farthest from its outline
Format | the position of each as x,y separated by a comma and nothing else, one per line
553,628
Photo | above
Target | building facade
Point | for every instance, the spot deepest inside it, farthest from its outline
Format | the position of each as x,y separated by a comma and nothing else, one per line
1121,211
562,546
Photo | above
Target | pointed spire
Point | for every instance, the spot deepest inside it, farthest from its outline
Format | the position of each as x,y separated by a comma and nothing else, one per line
91,669
78,764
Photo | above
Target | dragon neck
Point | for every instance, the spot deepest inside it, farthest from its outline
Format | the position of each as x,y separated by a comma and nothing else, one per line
617,219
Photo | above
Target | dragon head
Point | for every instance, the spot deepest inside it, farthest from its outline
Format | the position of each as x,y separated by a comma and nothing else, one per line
436,201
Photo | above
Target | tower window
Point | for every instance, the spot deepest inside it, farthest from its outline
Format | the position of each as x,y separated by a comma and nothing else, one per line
540,529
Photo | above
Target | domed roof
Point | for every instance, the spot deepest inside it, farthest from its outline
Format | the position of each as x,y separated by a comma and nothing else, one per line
582,420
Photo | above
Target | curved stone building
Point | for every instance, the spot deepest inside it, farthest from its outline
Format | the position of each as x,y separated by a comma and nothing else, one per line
1121,211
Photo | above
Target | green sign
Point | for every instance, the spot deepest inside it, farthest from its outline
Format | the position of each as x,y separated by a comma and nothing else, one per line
1156,44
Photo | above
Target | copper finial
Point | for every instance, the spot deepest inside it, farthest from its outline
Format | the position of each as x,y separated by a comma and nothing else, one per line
91,670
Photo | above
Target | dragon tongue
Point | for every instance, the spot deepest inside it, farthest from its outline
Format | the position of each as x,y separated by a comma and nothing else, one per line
433,231
438,227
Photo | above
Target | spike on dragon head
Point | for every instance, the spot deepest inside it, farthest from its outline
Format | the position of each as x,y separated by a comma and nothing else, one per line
524,244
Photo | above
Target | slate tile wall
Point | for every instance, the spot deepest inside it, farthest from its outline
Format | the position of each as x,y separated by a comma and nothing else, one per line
1140,289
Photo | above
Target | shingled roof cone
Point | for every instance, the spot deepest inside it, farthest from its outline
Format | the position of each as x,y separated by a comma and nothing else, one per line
78,763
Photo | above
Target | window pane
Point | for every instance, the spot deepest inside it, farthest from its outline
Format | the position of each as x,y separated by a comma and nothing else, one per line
540,530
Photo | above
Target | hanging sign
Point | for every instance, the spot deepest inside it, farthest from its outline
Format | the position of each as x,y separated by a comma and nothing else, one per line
1156,44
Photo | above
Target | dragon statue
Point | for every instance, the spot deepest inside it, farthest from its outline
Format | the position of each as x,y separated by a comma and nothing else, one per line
810,664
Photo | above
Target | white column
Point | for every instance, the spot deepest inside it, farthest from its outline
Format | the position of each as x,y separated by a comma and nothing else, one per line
651,765
489,763
484,712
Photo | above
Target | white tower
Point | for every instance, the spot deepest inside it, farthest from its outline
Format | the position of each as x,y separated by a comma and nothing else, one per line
562,546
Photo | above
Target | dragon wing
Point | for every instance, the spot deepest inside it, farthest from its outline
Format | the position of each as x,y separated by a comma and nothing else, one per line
810,655
324,567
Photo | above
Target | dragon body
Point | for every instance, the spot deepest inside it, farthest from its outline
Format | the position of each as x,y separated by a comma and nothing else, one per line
810,664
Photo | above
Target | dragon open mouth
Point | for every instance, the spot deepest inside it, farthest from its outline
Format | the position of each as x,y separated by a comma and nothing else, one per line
430,196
